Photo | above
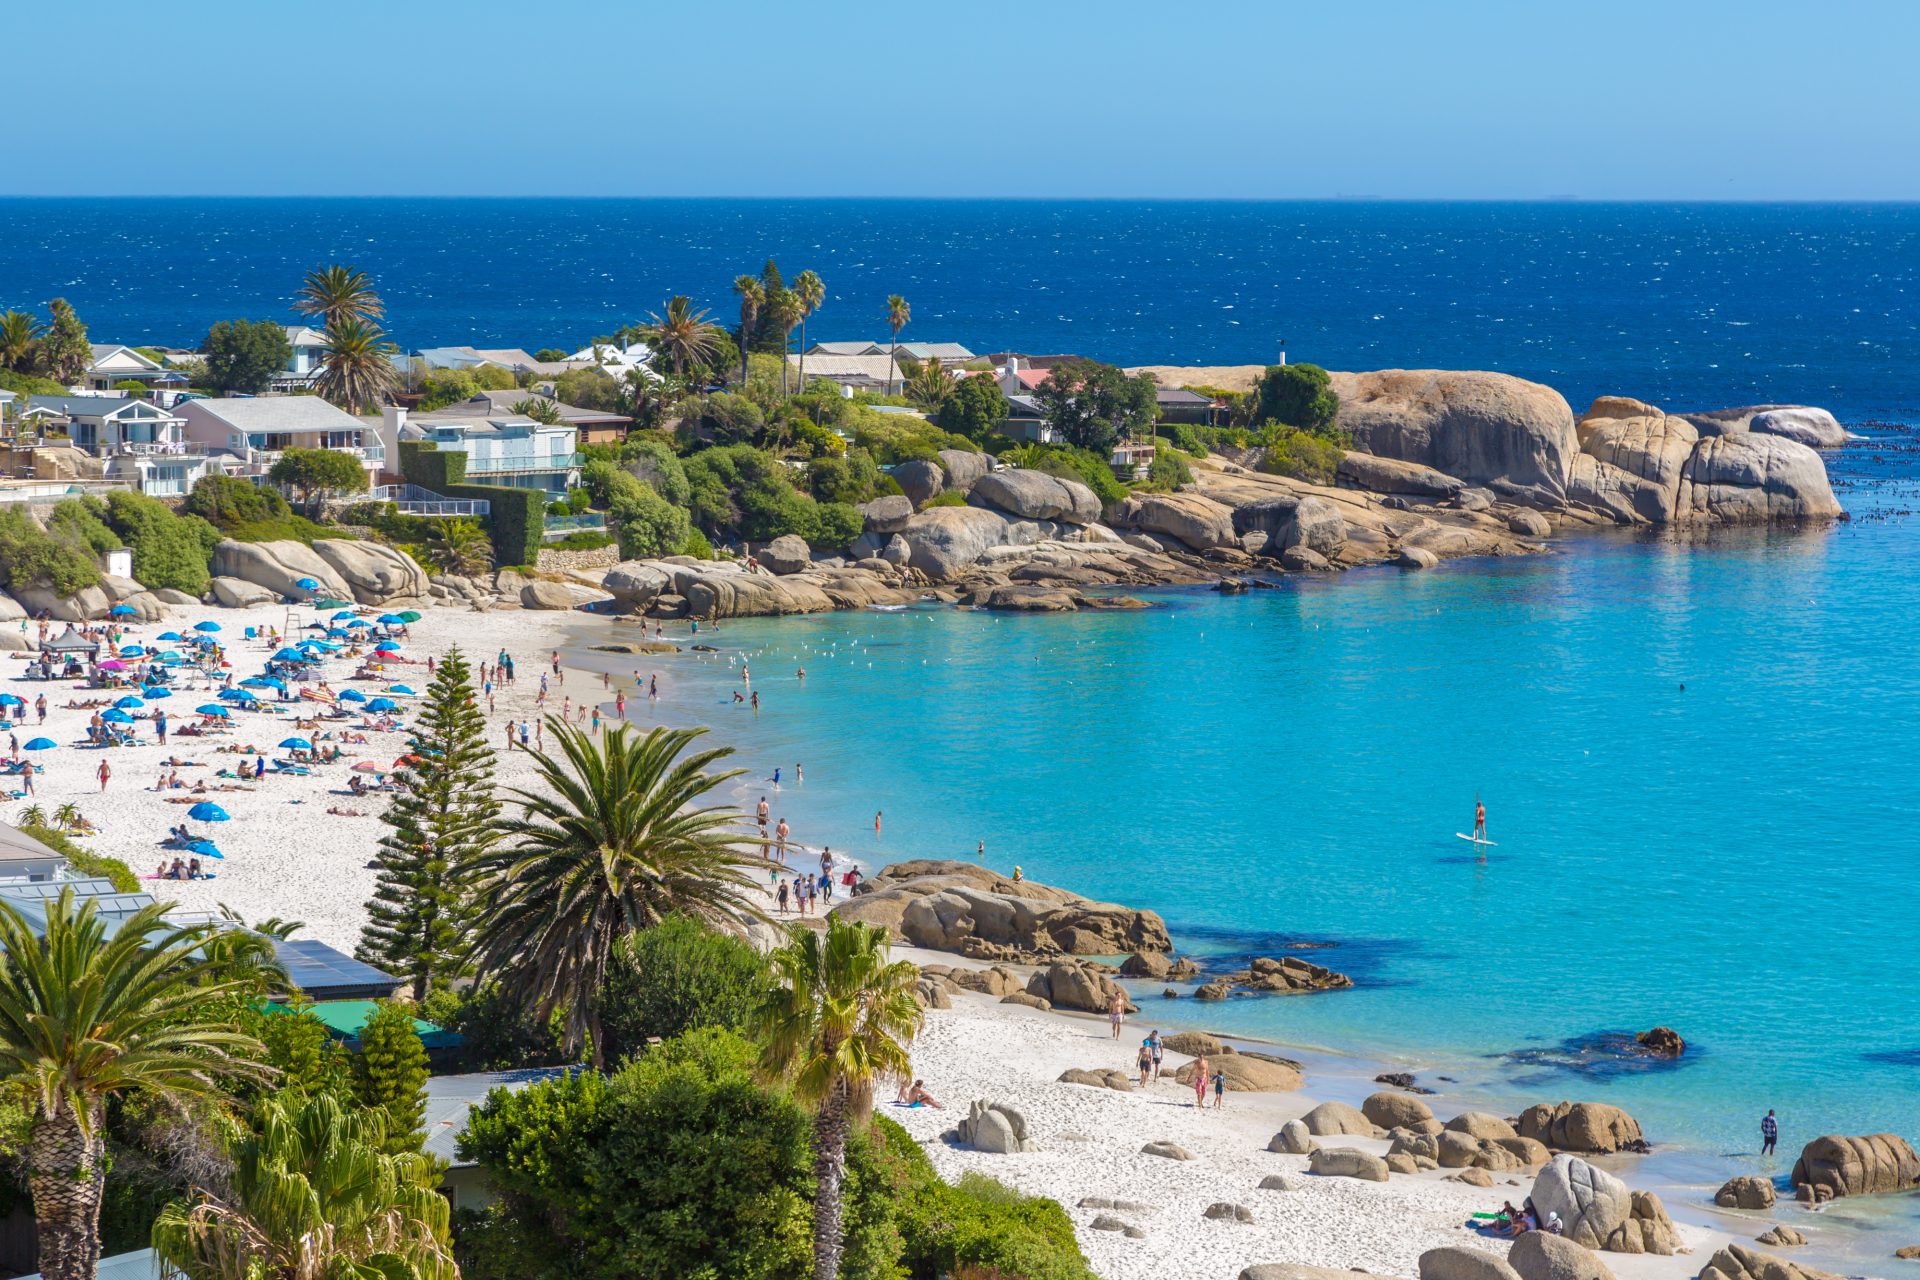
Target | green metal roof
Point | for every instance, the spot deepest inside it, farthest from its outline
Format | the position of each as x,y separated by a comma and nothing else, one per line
344,1018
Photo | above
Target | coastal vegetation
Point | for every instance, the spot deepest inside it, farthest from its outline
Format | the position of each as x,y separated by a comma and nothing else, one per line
243,355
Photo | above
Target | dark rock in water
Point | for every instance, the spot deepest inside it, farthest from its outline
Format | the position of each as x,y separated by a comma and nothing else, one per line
1602,1055
1400,1080
704,648
1662,1042
1230,587
1170,994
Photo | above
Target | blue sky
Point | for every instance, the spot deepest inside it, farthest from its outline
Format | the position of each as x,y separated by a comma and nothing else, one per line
1215,98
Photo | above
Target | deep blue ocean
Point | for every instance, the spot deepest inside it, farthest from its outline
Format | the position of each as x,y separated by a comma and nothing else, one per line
1698,755
1687,305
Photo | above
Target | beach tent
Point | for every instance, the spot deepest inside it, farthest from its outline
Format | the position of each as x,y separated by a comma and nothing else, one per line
329,604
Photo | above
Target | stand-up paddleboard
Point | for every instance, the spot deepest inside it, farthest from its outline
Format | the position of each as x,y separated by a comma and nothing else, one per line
1479,840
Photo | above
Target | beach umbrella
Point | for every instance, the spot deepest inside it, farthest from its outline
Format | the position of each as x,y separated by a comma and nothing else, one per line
307,584
205,849
326,646
388,619
368,766
405,691
116,716
208,627
256,682
171,659
129,703
170,635
409,615
122,611
12,700
207,811
290,655
315,625
238,695
358,623
213,709
353,695
132,651
345,615
386,646
340,633
113,664
153,691
272,682
383,704
296,744
41,744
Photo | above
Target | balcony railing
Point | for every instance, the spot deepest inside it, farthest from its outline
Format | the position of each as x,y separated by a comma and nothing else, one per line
520,463
412,500
595,523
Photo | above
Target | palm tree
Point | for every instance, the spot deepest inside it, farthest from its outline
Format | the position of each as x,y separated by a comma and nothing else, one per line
783,308
67,816
811,291
617,841
334,294
539,409
839,1019
686,335
459,547
753,296
930,385
85,1017
33,816
898,313
356,366
314,1196
19,330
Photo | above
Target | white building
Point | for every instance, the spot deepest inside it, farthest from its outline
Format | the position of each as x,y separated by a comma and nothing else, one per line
502,448
306,360
139,444
256,431
114,364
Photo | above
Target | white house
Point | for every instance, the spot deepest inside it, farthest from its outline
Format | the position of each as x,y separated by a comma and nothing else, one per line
139,444
502,448
113,365
257,430
306,360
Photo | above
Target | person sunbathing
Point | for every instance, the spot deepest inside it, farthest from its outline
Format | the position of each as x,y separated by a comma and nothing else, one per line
915,1095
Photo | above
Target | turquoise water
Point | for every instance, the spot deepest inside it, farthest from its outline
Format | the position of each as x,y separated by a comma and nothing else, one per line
1695,755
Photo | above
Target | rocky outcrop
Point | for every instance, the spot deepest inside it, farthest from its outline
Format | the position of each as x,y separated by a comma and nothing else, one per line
1294,1271
1067,985
996,1127
959,906
1482,1124
1457,1262
1738,1262
1871,1165
1193,1043
1541,1255
1035,495
1197,522
85,605
1347,1162
1589,1127
1661,1042
786,554
1392,476
546,595
887,514
373,571
237,593
945,540
1755,479
919,480
1332,1119
1630,467
1292,1140
1098,1078
722,588
1246,1074
1815,428
1315,526
1289,975
963,468
1399,1111
1592,1203
1166,1151
1781,1237
279,567
1745,1192
1492,429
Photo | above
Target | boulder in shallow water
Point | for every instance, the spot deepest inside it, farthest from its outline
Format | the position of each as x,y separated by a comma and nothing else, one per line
1399,1111
1594,1127
1815,428
1755,479
1661,1042
1871,1165
1745,1192
1738,1262
1591,1202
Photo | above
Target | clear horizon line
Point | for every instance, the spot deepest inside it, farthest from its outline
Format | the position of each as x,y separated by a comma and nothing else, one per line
1563,199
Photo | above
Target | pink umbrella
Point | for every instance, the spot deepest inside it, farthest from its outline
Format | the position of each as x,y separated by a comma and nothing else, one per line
113,664
368,766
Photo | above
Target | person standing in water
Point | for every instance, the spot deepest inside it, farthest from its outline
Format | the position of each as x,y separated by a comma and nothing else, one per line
1769,1133
1479,819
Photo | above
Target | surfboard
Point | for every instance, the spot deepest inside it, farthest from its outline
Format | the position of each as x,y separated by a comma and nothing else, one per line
1461,835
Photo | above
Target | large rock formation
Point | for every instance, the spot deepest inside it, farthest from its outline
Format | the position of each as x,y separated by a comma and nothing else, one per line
1458,1262
1035,495
1541,1255
919,480
1195,521
278,566
1592,1203
1066,985
1246,1074
1630,462
1755,478
888,514
996,1127
1331,1119
1870,1165
943,541
1808,425
1591,1127
373,571
1738,1262
786,554
958,906
1511,435
1347,1162
1390,1110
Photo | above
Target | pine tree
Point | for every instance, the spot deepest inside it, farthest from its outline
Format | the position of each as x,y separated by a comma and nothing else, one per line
439,822
390,1074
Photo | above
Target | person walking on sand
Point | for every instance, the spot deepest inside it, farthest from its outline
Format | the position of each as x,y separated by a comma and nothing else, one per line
40,707
105,773
620,704
1219,1088
1116,1012
1200,1073
1145,1062
780,837
760,811
1159,1052
783,897
1769,1133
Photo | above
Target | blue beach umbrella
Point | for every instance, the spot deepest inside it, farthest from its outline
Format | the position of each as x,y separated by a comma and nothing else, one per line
296,744
153,691
116,716
307,584
170,635
205,849
353,695
386,646
404,691
290,655
239,695
207,811
345,615
383,704
214,709
122,611
339,633
132,651
358,623
326,646
256,682
129,703
208,627
273,682
171,659
41,744
12,700
390,619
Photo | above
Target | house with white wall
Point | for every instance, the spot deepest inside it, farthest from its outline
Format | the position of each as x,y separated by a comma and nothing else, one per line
503,448
257,430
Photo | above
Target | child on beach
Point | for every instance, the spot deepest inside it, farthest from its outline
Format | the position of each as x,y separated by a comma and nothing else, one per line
1219,1089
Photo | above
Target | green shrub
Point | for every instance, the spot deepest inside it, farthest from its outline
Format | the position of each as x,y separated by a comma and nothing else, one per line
697,545
495,1032
1299,454
29,555
852,479
986,1224
1169,470
516,519
747,492
651,460
169,550
85,862
1090,469
646,523
674,977
582,540
226,501
82,521
945,498
390,1074
1183,437
1297,395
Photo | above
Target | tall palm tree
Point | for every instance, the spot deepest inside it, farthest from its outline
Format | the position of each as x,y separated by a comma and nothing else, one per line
753,296
618,840
85,1017
898,313
783,308
333,294
356,366
686,335
19,330
315,1197
811,291
838,1020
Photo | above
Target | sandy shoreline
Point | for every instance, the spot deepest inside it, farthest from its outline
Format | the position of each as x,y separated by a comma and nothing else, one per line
287,856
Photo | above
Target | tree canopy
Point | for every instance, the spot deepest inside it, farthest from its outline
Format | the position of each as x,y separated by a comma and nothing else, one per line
1297,395
243,355
1093,404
